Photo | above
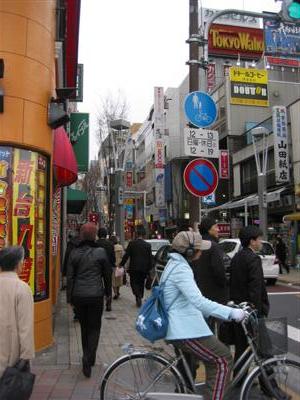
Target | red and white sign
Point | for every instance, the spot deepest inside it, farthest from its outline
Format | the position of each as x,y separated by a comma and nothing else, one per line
285,62
158,110
224,164
93,217
129,179
200,177
159,159
211,77
224,229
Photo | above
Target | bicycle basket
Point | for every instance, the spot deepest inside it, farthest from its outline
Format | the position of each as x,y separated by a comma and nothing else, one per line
272,336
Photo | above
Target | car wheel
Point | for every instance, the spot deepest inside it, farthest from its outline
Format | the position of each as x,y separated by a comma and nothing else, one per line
271,281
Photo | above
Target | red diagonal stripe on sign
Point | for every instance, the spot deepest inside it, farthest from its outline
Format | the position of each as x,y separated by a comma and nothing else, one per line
202,178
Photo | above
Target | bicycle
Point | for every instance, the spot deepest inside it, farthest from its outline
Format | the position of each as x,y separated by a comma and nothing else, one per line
145,375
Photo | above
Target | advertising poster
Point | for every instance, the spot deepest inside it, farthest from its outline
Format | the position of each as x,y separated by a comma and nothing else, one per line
282,40
159,187
211,76
5,189
23,207
249,86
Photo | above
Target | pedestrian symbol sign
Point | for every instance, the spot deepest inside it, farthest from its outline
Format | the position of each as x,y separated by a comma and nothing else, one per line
200,177
200,109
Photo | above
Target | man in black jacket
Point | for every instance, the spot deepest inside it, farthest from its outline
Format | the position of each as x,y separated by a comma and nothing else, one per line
110,251
139,253
209,270
247,280
88,281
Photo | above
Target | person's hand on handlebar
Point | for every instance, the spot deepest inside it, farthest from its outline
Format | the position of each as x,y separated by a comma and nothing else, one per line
237,315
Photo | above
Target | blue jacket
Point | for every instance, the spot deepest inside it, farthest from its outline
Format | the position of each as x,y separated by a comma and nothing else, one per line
186,305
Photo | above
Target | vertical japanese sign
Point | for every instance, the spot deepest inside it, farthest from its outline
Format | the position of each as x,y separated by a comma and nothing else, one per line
159,147
211,77
23,207
281,148
129,179
224,164
56,206
79,136
5,185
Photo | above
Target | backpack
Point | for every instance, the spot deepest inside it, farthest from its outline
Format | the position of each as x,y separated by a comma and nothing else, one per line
152,319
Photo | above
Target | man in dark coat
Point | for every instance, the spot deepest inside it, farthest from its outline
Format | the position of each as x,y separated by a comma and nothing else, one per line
280,251
140,255
247,281
88,281
110,251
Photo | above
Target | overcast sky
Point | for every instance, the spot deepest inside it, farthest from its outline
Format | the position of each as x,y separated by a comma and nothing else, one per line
133,45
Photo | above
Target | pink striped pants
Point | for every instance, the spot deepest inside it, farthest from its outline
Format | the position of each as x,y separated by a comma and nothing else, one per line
217,360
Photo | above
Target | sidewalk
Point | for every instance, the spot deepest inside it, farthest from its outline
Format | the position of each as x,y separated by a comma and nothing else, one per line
292,278
58,369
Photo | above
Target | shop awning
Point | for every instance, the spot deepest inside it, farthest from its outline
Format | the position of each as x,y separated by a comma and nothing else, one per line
292,217
76,200
249,201
64,161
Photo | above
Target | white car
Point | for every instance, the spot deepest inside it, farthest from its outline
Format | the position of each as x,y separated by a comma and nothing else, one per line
156,244
269,261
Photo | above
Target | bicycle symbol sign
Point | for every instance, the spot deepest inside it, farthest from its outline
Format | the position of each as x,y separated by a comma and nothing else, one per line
200,109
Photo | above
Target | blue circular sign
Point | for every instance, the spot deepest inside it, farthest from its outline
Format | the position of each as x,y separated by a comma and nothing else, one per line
200,177
200,109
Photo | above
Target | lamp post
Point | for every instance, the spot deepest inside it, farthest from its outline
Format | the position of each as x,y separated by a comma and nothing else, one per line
260,146
119,126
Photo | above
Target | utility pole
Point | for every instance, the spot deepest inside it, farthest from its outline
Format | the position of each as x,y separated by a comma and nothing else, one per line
194,86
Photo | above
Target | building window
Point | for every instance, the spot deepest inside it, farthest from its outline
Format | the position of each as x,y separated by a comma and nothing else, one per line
23,211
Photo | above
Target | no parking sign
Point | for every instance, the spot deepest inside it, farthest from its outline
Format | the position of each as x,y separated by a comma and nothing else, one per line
200,177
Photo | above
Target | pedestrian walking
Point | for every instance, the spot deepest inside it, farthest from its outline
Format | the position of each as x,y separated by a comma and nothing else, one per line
16,311
109,248
117,275
88,281
247,281
186,305
73,241
280,251
140,263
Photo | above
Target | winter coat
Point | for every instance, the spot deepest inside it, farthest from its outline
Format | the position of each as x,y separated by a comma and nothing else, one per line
88,272
209,272
187,307
72,243
110,251
280,251
16,320
247,280
139,252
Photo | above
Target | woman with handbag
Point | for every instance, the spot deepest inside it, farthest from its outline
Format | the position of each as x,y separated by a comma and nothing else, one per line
118,272
16,325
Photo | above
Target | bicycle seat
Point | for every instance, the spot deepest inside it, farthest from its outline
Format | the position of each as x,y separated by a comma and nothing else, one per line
173,396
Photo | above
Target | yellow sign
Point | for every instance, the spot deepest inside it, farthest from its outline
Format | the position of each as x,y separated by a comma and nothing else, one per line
249,86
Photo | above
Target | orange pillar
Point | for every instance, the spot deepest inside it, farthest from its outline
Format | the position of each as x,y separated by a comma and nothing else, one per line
27,39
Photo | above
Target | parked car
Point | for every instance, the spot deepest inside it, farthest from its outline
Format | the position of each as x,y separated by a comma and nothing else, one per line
156,244
269,261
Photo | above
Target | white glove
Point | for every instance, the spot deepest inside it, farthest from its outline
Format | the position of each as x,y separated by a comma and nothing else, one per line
237,314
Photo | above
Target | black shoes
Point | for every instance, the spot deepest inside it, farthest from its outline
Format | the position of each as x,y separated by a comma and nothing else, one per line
86,367
116,296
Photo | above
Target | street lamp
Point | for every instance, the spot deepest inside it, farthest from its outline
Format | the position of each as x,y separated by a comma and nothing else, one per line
260,146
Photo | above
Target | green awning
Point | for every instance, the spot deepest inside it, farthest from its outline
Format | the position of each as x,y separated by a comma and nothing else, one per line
75,201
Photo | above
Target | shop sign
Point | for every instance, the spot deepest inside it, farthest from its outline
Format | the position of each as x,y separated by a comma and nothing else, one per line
283,62
211,77
209,200
159,187
230,18
282,40
159,156
56,206
201,143
226,41
129,179
281,147
249,86
224,164
5,162
158,110
224,229
79,84
79,136
93,217
226,69
129,211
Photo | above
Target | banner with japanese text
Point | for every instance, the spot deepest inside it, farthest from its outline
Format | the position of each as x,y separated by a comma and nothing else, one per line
249,86
5,191
281,147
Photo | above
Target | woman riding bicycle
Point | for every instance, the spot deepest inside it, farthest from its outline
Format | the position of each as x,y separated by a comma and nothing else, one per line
188,308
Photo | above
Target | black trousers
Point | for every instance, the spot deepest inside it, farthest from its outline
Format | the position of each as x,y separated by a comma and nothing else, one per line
89,315
137,283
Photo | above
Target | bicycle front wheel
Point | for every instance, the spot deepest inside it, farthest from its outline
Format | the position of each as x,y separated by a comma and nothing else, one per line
283,375
133,376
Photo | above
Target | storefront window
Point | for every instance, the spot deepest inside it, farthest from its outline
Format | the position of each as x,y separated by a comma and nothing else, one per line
23,213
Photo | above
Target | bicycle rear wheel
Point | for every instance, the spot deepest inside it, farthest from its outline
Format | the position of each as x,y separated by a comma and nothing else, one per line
283,375
133,376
